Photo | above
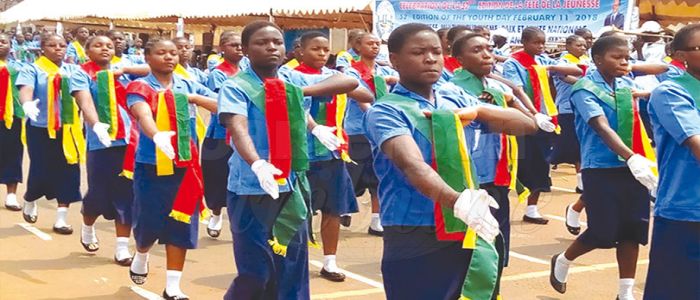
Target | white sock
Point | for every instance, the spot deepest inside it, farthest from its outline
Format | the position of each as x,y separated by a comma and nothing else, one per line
140,263
30,208
572,217
329,263
626,285
122,249
215,222
531,211
561,269
172,283
579,181
376,223
61,214
87,232
11,200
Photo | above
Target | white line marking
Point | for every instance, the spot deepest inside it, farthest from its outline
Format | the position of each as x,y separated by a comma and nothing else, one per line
345,294
42,235
352,275
558,218
598,267
556,188
528,258
145,294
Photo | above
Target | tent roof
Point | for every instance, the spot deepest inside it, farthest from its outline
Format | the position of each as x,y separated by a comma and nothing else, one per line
669,12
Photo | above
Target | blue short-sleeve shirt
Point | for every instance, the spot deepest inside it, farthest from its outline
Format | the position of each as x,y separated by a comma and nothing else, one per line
594,152
401,203
215,81
675,116
81,81
354,115
563,99
31,75
342,61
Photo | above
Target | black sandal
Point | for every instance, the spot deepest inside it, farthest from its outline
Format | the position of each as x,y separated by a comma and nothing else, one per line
176,297
90,247
138,279
213,232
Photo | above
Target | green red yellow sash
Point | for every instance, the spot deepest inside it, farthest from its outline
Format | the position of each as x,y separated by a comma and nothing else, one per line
630,127
507,166
200,128
62,113
453,163
285,119
80,51
10,107
451,64
537,86
330,114
292,64
110,95
171,113
690,84
582,62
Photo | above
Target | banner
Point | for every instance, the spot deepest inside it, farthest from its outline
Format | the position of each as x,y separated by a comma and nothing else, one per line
558,18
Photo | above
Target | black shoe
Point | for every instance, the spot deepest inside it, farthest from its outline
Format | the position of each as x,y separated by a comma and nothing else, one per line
90,247
573,230
332,276
13,207
138,279
213,233
124,262
375,232
345,220
538,221
65,230
579,191
29,218
177,297
556,284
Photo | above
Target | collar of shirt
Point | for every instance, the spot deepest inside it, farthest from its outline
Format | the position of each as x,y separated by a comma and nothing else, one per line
598,79
177,82
403,91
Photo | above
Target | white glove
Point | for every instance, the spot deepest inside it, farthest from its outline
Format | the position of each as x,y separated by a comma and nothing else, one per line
544,122
266,172
326,136
102,132
641,169
162,141
31,109
473,208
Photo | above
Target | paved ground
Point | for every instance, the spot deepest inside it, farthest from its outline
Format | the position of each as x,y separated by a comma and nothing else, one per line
38,264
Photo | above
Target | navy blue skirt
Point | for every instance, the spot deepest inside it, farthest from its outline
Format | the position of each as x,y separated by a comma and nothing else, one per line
50,175
215,156
362,173
566,146
416,266
109,194
261,273
331,188
674,260
617,206
533,168
153,200
11,153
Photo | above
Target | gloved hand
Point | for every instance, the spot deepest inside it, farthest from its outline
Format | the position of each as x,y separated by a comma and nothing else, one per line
162,139
473,208
31,109
102,132
266,172
544,122
326,135
641,169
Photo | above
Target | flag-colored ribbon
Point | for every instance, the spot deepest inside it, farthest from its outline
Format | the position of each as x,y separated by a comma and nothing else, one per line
331,114
62,113
292,64
451,64
200,128
170,111
80,51
581,62
348,56
285,119
453,163
227,68
630,127
376,83
678,64
10,107
507,165
110,95
537,86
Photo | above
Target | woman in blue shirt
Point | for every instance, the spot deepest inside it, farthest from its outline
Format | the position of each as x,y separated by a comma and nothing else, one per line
50,173
10,132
